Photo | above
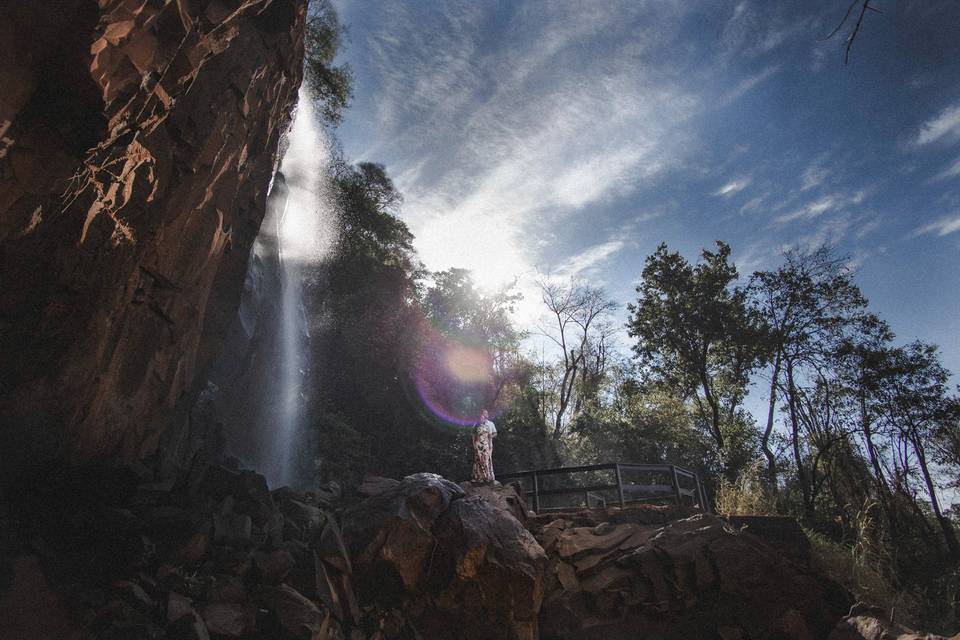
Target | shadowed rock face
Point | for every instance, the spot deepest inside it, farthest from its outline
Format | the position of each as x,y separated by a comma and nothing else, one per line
137,141
457,565
693,578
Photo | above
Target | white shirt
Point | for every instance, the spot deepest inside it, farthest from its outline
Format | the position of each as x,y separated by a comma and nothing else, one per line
490,428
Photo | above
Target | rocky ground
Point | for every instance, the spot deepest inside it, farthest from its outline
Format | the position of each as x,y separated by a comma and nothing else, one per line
216,554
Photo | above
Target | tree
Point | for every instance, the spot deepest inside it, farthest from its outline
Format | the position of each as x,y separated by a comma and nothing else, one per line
330,86
696,333
912,393
458,310
577,313
807,305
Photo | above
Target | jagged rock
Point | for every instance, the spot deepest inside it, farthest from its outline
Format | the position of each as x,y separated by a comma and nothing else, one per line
329,545
375,485
188,627
864,623
183,623
134,594
304,516
394,526
459,562
692,578
226,588
138,142
297,615
273,567
178,605
29,608
507,497
230,619
232,528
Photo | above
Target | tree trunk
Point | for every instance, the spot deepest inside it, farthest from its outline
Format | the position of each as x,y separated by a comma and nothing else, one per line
795,439
948,533
765,443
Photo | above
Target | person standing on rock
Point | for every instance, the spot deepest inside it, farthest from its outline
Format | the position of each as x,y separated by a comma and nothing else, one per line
483,434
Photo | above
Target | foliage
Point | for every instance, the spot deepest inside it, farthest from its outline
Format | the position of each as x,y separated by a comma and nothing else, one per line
579,327
749,494
696,332
329,85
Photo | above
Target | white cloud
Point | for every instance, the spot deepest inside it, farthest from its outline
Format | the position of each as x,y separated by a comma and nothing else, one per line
754,204
945,126
745,85
811,210
733,187
813,176
822,205
495,144
942,227
591,258
950,172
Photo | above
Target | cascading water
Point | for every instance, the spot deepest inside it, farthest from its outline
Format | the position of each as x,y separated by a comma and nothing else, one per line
304,228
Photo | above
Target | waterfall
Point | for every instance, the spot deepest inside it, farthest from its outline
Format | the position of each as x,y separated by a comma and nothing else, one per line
305,232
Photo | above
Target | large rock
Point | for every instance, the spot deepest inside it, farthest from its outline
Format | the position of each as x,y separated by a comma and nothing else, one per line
694,578
867,623
137,143
451,562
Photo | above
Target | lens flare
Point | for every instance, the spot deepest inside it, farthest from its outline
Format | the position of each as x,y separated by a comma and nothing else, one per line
468,365
455,382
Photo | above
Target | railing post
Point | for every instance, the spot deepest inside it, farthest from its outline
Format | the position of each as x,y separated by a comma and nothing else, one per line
703,498
676,486
620,485
536,494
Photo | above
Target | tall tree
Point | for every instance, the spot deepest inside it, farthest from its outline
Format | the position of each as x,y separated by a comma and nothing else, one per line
696,333
808,304
330,86
912,392
576,324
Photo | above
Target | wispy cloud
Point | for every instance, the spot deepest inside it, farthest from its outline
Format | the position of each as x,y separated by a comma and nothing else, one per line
820,206
813,176
748,83
942,227
533,147
945,126
733,187
591,258
950,172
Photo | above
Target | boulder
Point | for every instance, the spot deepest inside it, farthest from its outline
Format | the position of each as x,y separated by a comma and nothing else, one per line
508,497
229,619
297,615
449,560
183,623
274,566
868,623
692,578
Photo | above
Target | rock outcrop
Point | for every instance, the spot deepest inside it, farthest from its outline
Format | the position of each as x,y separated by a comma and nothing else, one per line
137,144
447,560
868,623
215,554
692,578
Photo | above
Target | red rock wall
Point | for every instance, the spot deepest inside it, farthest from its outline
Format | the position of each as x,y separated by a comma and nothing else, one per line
137,142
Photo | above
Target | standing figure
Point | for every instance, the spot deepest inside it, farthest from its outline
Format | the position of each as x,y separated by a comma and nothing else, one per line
483,434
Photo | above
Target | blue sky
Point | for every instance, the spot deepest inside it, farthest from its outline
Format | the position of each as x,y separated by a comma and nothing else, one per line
571,138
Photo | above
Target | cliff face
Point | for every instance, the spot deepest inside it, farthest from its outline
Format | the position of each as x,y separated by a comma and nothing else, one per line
137,142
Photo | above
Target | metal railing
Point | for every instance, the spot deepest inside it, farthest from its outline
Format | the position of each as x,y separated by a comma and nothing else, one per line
627,484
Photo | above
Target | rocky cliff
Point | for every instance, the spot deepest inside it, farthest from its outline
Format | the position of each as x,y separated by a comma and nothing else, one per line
137,143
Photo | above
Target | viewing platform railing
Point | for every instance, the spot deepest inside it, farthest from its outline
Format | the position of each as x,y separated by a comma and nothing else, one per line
596,485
